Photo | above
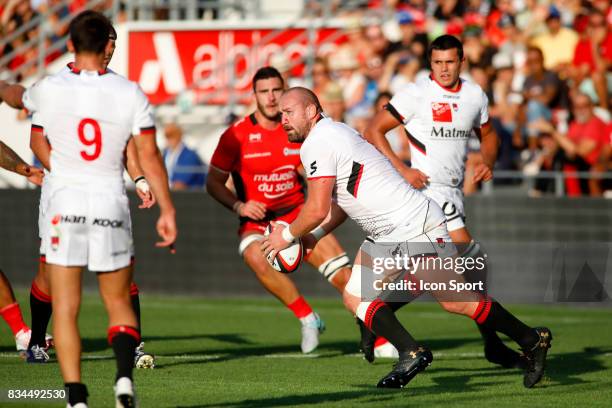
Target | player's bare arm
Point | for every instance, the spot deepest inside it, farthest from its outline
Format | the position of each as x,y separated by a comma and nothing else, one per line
40,147
489,145
11,161
153,167
132,165
334,219
315,210
375,133
11,94
217,188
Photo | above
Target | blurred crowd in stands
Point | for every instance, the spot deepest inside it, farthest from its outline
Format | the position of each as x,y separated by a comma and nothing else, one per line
546,66
21,28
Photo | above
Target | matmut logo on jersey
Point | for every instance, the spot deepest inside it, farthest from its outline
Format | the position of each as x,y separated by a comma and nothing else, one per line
276,183
441,132
441,112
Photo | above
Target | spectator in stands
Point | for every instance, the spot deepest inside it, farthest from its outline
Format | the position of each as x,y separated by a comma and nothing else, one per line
185,168
411,41
376,40
347,71
477,53
531,19
592,60
505,101
282,63
583,146
541,93
513,44
332,101
401,68
320,76
373,73
446,10
558,43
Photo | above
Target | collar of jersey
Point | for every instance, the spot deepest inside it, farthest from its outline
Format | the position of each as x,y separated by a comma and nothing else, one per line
77,71
445,88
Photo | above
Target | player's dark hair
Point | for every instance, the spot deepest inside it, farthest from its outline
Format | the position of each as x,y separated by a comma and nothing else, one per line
266,73
89,32
443,43
308,96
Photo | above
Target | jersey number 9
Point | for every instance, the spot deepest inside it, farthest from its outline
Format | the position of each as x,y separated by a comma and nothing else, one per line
95,141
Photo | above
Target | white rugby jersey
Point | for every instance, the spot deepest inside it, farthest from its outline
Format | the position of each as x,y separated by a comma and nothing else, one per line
368,188
439,122
88,118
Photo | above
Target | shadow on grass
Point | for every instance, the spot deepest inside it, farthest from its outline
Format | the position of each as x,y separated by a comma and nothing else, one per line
562,369
566,368
98,344
296,400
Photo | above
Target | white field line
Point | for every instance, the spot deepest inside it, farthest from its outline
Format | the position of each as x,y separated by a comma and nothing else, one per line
340,312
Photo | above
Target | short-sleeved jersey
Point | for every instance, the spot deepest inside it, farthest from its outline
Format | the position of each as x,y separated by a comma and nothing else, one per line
88,118
368,188
439,122
263,163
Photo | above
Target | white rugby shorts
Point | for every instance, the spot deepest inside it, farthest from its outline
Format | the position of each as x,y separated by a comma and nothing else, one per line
84,227
450,200
432,240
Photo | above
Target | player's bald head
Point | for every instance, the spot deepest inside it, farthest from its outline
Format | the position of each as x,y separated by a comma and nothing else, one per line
300,109
304,96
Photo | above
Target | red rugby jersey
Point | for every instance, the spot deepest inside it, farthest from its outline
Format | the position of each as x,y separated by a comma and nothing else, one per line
263,164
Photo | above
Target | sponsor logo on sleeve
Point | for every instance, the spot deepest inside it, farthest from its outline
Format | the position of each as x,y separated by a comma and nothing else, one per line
313,168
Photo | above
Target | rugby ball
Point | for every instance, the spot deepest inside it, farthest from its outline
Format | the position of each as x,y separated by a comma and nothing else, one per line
290,258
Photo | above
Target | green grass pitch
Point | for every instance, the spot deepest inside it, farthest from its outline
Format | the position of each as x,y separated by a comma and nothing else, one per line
245,353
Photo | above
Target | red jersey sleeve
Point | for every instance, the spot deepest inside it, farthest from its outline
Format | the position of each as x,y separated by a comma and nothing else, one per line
227,153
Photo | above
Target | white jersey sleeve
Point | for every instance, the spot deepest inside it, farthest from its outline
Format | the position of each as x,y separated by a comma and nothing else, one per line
484,111
32,96
318,158
404,104
144,121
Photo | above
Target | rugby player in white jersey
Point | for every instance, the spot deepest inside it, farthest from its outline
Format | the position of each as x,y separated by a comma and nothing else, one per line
343,168
88,115
440,113
36,339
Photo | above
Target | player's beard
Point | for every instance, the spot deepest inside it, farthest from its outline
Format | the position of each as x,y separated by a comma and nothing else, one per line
294,135
276,116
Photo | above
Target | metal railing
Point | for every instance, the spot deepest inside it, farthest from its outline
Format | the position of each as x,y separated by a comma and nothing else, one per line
558,177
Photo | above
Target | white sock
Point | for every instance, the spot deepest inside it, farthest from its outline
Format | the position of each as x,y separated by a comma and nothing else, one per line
309,319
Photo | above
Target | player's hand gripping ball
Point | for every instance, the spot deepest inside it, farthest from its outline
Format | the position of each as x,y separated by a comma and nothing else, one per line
289,259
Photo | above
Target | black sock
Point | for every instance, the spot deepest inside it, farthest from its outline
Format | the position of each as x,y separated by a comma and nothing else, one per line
135,298
488,335
124,346
41,313
382,321
499,319
77,392
395,306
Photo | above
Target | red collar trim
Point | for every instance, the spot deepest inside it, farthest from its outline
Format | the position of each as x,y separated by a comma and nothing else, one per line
77,71
445,88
